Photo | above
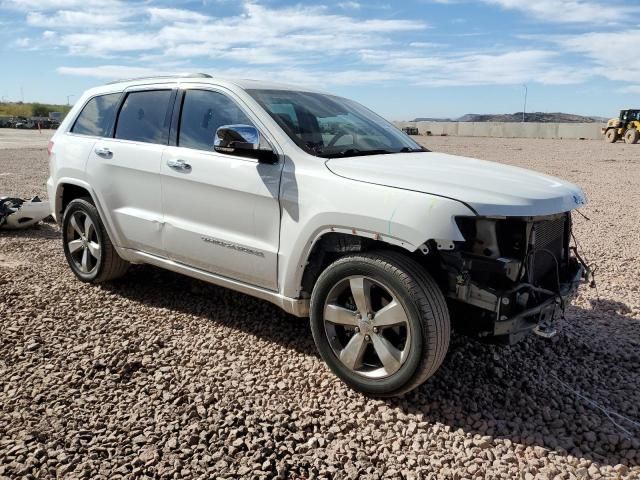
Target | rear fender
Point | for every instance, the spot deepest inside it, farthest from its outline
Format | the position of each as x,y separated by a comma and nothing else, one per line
106,219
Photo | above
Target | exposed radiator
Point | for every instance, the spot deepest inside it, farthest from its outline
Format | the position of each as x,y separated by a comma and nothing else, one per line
549,235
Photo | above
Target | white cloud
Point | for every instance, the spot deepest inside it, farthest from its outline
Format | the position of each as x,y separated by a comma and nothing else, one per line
23,42
425,45
381,67
570,11
258,35
609,52
290,75
48,5
163,15
110,71
75,19
504,68
108,42
350,5
316,46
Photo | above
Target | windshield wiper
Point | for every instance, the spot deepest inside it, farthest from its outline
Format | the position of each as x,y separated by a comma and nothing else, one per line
413,150
354,152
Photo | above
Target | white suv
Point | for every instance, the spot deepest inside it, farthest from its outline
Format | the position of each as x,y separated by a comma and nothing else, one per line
314,203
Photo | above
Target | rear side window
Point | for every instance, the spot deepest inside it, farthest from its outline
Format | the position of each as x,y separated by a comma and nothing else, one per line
97,116
203,112
144,117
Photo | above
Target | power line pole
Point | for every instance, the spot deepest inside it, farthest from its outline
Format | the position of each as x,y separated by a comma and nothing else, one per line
524,108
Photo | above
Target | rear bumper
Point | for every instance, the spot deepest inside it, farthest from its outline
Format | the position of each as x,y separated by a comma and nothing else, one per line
51,193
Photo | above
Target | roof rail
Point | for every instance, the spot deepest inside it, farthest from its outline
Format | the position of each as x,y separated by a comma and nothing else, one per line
153,77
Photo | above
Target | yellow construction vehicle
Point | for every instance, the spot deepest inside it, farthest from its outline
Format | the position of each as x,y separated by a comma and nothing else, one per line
626,126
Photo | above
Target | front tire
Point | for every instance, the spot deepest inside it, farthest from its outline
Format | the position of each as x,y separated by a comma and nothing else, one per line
632,136
380,322
611,136
87,246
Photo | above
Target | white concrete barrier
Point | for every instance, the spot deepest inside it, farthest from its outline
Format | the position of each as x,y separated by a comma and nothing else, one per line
508,130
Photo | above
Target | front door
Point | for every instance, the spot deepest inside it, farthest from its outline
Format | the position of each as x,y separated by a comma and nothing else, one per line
221,212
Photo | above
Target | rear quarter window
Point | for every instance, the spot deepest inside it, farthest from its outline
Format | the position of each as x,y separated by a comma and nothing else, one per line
144,117
96,117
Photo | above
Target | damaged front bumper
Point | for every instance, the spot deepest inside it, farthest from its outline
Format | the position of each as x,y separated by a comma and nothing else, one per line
513,313
539,318
512,276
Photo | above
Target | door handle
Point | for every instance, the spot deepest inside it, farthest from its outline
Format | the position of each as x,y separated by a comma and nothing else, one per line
179,165
103,152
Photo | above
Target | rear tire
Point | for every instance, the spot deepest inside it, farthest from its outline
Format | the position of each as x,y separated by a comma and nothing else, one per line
380,322
87,246
611,136
632,136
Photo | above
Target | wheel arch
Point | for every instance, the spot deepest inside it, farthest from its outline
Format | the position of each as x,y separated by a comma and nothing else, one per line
69,189
331,244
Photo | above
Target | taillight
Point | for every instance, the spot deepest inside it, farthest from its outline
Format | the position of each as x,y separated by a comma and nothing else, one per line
50,147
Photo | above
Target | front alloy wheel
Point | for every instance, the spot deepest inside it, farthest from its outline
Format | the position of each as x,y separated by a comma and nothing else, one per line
367,327
380,322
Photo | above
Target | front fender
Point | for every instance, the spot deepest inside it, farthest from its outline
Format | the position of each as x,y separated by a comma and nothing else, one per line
403,218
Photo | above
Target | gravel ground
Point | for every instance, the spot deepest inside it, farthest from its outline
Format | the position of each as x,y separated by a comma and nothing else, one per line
11,138
162,376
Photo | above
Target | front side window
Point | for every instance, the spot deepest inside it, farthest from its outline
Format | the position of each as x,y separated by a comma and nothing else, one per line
203,112
144,117
329,126
97,116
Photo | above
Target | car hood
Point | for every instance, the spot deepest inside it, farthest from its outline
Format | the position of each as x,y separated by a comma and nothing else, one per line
489,188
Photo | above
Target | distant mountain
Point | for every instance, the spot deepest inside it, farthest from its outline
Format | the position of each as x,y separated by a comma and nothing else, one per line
537,117
427,119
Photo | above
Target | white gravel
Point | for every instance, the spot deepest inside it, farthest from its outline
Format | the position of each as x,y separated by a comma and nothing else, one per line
163,376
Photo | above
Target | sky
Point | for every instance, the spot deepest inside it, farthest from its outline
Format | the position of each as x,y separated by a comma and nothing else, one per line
403,59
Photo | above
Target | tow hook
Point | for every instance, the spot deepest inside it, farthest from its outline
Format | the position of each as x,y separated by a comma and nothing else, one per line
545,331
545,327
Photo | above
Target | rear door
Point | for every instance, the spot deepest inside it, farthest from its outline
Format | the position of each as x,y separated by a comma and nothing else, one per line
125,170
221,211
74,148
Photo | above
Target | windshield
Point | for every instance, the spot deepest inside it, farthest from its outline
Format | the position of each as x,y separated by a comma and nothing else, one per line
328,126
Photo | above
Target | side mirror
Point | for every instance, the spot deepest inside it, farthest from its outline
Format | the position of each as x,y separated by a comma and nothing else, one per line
243,141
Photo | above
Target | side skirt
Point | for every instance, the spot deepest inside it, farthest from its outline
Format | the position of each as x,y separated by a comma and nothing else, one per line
294,306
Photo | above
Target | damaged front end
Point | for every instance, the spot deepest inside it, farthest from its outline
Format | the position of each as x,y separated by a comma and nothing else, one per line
16,213
512,275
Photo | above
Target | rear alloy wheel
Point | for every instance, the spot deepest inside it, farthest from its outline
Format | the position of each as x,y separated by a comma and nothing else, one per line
82,242
612,135
380,322
89,251
632,136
